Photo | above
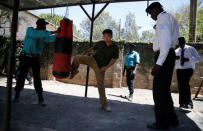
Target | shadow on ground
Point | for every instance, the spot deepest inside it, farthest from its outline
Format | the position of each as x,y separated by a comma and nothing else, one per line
198,99
71,113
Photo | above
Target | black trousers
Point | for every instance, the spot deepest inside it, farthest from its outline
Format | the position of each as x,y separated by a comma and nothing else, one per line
183,76
25,63
130,79
164,109
28,76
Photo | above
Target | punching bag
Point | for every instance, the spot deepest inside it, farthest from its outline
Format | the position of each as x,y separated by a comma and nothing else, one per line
63,49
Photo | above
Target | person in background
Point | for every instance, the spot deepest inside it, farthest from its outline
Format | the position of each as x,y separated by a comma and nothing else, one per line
19,47
166,35
105,55
132,59
33,47
186,57
4,45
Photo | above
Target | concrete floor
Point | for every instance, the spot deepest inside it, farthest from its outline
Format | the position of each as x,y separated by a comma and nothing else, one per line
68,110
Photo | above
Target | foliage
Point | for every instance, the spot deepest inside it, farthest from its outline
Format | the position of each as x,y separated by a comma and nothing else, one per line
147,36
52,18
182,15
104,21
199,33
130,31
55,19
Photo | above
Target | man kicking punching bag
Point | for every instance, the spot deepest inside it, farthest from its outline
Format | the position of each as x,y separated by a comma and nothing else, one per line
63,49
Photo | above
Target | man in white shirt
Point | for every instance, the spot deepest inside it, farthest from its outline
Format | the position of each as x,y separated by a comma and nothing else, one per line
186,57
166,34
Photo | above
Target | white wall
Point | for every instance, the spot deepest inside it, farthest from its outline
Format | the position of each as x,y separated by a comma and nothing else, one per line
25,20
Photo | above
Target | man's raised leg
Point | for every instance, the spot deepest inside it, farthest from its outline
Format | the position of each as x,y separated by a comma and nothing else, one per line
80,59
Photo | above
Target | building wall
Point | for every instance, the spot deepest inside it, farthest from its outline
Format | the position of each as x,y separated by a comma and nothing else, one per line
26,19
113,77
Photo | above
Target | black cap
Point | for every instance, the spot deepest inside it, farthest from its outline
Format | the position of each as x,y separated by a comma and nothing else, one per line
132,46
182,39
41,21
153,5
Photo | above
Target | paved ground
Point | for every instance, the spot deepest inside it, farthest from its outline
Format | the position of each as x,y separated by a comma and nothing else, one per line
68,110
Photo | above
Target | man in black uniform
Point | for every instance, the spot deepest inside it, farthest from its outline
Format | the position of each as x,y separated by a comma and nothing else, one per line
166,34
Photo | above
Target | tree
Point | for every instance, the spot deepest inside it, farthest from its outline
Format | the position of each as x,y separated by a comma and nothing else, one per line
199,33
52,18
55,19
147,36
182,15
104,21
130,31
76,32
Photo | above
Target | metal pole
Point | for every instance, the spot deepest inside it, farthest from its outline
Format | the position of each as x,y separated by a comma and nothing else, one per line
90,45
11,63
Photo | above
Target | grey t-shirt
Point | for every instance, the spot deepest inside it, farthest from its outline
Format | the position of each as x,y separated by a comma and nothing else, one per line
104,54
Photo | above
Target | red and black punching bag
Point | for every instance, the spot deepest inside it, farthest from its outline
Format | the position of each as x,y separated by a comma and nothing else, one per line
63,49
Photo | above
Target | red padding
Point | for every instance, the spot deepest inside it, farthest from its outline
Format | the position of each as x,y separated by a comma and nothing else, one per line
66,29
62,63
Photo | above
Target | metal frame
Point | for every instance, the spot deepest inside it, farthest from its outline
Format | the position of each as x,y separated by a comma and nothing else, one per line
11,64
11,61
74,4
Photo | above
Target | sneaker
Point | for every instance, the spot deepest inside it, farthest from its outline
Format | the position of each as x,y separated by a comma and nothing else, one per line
130,97
106,108
183,106
16,98
73,74
155,126
190,106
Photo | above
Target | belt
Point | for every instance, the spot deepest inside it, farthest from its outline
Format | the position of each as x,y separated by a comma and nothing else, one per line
29,55
129,66
158,51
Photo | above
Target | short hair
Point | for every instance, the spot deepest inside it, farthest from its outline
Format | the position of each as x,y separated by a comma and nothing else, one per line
107,31
154,5
181,39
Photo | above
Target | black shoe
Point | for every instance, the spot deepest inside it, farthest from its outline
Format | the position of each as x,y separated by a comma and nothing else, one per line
174,125
41,100
155,126
106,108
181,106
16,98
184,106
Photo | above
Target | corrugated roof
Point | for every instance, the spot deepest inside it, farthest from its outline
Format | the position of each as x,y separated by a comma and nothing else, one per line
42,4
